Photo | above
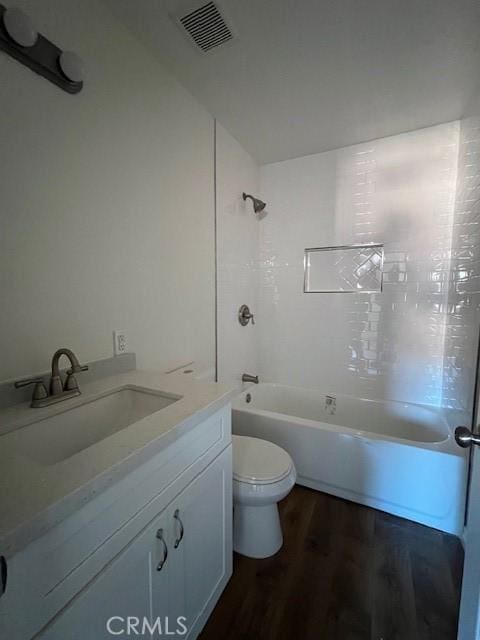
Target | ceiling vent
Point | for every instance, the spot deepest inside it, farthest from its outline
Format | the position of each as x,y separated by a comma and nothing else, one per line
206,26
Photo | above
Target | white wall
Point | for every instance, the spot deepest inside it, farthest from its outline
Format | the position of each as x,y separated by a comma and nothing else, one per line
237,257
473,107
399,191
107,204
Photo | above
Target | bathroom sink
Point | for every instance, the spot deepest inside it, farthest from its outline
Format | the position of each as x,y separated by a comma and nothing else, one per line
55,439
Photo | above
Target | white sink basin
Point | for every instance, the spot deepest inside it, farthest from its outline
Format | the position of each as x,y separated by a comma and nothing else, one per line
55,439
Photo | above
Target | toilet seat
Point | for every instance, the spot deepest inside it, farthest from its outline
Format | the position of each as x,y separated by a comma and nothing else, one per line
259,462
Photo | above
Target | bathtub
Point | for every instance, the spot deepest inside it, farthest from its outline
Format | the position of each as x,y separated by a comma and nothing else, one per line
399,458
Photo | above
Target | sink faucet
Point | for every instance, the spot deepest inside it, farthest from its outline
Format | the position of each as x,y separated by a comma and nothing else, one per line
246,377
71,383
59,391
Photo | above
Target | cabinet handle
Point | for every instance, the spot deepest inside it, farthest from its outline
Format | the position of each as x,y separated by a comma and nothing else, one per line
176,515
3,575
165,550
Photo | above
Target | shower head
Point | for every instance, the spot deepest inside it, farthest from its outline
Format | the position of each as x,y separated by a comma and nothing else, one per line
258,205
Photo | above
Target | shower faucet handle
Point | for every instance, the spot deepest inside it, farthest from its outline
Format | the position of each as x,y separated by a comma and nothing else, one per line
245,315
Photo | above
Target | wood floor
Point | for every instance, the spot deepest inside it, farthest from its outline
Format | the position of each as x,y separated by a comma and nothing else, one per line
344,572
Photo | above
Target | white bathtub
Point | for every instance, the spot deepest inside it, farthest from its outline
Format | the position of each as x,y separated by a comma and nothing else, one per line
400,458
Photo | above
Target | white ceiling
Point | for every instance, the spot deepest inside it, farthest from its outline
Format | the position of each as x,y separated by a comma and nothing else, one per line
305,76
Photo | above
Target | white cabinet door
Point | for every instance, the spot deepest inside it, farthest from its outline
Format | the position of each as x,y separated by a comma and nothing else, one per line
121,594
202,559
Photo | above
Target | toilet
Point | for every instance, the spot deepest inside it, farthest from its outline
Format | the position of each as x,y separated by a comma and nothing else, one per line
263,474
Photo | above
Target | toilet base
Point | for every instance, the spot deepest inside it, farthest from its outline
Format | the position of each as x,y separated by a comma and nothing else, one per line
257,532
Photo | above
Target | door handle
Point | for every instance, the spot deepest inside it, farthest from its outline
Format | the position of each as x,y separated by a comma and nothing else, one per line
176,515
465,438
165,550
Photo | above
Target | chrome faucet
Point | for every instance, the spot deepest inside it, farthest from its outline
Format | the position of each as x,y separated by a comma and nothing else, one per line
59,390
246,377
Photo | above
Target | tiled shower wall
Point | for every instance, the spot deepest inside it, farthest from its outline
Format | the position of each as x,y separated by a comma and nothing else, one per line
237,257
399,191
463,310
419,194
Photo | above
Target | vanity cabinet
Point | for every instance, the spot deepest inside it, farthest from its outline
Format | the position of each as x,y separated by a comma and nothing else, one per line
165,568
170,572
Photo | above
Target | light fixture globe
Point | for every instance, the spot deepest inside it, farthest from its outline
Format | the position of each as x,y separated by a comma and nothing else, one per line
71,66
19,27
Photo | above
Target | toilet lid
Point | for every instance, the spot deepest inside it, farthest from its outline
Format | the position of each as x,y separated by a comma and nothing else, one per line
258,461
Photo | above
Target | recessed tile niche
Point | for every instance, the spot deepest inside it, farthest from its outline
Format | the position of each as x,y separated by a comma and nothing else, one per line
344,269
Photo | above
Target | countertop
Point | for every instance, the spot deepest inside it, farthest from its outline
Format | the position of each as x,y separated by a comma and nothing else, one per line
36,497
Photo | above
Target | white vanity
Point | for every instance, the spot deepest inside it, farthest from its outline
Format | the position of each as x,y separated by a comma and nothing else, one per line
116,507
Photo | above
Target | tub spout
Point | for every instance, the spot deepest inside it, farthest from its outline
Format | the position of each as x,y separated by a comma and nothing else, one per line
246,377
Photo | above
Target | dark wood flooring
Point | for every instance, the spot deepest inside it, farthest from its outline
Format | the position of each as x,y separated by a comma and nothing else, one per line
345,572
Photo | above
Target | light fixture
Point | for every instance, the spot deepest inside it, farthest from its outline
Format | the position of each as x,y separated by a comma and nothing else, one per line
20,39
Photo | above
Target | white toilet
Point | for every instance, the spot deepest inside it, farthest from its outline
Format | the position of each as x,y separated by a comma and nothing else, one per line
263,474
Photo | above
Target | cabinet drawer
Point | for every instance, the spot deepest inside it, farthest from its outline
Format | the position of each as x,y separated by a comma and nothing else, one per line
48,573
